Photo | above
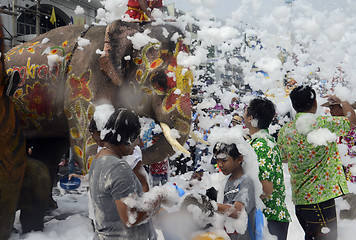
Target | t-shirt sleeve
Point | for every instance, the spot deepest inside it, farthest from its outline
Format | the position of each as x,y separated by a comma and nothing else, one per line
246,194
265,157
120,181
338,125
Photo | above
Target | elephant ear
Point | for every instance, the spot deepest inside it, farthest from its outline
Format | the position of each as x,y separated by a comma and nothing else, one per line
116,47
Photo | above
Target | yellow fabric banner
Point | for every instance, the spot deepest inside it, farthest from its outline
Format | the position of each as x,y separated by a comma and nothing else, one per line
53,17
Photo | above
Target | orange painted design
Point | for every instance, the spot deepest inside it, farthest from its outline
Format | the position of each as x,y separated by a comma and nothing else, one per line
91,111
90,160
156,63
78,109
68,56
139,74
138,61
8,56
33,44
64,44
90,141
21,51
74,132
18,93
31,50
78,151
54,51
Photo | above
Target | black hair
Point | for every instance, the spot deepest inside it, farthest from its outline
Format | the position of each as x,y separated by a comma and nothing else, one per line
263,110
123,127
92,126
303,98
229,149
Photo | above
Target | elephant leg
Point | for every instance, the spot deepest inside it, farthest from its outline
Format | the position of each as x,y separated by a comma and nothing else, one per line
35,194
9,196
50,151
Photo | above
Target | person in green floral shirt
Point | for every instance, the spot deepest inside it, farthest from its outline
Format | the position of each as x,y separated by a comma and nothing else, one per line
308,143
258,116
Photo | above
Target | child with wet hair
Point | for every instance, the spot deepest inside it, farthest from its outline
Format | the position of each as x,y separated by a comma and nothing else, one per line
134,160
122,210
239,191
237,199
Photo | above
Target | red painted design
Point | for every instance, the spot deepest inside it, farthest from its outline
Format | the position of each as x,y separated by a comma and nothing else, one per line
42,72
185,104
68,56
178,94
31,50
171,101
39,99
156,63
80,86
22,71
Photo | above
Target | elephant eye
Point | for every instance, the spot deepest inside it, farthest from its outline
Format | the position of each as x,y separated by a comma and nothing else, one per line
159,80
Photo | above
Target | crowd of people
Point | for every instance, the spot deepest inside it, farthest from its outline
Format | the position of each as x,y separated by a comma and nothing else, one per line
125,196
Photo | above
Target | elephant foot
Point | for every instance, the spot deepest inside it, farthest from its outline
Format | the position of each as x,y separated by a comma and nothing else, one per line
35,195
32,220
52,205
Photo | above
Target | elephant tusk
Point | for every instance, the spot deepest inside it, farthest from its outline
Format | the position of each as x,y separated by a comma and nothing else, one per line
198,139
174,143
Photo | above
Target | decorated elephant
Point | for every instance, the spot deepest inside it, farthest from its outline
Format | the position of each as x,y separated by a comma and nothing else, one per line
66,72
24,182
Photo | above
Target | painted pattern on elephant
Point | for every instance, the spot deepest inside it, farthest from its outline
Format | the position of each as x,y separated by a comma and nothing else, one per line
60,83
38,102
35,100
179,79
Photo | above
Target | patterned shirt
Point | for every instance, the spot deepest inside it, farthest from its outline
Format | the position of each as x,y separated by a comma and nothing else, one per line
350,140
271,169
159,168
150,3
316,171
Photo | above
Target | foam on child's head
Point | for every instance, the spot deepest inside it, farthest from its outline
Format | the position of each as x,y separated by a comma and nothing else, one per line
250,164
102,114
